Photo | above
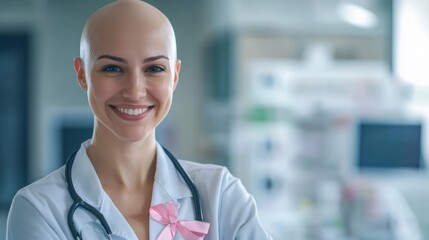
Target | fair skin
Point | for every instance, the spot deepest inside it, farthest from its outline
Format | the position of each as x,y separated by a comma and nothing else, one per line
129,70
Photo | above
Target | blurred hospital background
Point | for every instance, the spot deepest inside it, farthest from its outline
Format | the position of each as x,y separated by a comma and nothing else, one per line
319,106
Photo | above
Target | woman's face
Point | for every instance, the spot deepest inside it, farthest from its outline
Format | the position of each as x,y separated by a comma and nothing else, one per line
130,77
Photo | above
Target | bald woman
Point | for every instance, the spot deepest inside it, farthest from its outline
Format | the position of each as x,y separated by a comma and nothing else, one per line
122,184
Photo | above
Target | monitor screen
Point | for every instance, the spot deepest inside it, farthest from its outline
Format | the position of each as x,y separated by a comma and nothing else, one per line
71,138
69,128
389,146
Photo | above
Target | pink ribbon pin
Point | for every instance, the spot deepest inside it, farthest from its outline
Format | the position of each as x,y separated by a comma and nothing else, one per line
167,214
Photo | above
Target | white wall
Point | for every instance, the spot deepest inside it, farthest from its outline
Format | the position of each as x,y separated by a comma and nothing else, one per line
411,41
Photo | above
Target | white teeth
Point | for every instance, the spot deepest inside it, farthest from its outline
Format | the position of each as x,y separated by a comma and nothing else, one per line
132,111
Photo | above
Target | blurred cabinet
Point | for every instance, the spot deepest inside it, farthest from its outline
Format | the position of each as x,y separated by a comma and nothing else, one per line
14,97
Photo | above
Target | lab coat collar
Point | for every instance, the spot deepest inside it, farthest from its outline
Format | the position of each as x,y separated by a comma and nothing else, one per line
85,179
89,188
168,186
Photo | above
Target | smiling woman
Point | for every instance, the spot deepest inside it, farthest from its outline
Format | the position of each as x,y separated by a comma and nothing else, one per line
130,186
142,80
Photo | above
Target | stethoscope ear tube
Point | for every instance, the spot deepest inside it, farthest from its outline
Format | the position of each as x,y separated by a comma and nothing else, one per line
70,222
78,202
191,185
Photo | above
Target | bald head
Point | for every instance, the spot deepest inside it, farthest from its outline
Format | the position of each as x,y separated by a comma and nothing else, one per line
117,27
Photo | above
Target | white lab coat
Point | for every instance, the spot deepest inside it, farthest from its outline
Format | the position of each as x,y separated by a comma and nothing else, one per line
39,211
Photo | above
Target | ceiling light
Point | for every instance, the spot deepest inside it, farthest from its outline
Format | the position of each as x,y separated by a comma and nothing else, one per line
357,15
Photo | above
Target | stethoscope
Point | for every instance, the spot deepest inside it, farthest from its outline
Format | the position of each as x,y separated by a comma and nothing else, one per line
79,202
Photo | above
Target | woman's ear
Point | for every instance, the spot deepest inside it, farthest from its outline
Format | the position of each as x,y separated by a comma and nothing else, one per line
176,72
80,73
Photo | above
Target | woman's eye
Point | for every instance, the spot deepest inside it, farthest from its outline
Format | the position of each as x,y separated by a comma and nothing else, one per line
154,69
111,68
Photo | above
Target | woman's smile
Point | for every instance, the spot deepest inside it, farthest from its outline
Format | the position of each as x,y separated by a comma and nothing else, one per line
131,113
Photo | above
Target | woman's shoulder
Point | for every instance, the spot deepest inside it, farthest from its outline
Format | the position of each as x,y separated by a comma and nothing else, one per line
43,188
40,207
192,167
211,174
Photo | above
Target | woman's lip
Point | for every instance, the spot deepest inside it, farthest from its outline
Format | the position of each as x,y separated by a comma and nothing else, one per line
130,106
131,113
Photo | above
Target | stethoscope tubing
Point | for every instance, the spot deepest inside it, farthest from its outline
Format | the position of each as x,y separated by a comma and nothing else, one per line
191,185
79,202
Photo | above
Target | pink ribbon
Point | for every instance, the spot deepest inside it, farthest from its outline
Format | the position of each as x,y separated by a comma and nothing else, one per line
167,214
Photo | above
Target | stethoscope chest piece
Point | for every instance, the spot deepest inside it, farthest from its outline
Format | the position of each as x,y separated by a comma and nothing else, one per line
93,230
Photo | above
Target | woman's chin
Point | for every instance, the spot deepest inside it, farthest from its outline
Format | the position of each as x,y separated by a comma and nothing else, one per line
134,137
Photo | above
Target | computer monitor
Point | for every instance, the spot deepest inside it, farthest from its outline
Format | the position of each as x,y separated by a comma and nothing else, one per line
68,129
72,136
386,146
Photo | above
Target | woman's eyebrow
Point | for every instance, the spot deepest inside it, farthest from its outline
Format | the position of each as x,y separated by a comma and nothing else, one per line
150,59
119,59
114,58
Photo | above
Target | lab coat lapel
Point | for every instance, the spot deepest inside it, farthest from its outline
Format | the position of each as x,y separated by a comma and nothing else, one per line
85,178
168,186
89,187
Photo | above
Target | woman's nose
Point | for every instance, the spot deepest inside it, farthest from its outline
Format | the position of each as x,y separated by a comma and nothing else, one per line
135,87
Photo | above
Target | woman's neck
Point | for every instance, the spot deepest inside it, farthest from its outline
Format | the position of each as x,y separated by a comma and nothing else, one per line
122,164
